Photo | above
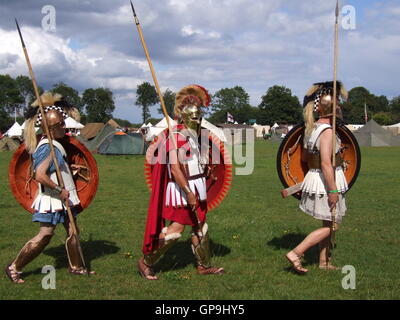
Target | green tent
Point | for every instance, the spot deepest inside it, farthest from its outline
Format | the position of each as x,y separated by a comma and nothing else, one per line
121,143
94,143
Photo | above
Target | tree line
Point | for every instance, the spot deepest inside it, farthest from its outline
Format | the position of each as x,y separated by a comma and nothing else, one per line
278,104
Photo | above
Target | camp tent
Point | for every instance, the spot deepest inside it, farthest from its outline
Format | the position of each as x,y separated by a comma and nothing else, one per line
373,135
91,130
8,144
120,143
71,123
94,143
155,130
14,131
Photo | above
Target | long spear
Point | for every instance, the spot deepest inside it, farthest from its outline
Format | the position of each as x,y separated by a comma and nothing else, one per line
74,233
335,58
153,74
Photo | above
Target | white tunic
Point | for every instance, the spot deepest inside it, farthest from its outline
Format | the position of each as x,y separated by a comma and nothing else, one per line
48,200
175,196
314,197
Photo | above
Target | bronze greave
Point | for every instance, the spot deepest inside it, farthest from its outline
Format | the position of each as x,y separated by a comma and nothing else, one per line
30,251
72,246
163,246
201,248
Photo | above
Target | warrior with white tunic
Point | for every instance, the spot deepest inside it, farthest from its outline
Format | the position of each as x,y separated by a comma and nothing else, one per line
179,192
49,204
324,185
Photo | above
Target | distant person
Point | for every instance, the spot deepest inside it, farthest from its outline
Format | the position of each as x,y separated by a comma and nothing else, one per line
324,185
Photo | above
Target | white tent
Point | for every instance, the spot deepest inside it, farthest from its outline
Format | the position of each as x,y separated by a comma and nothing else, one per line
155,130
143,125
24,124
275,126
15,130
71,123
149,125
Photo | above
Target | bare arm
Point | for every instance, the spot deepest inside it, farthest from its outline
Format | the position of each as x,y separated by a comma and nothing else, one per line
326,147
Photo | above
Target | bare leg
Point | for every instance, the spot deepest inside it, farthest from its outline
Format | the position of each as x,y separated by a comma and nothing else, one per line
324,246
30,251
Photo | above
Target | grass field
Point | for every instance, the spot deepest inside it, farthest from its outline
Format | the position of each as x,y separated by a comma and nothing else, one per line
251,231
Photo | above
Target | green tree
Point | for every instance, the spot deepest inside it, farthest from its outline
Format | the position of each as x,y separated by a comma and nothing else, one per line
10,97
383,118
25,88
233,100
354,107
169,101
69,94
279,105
394,107
99,104
146,96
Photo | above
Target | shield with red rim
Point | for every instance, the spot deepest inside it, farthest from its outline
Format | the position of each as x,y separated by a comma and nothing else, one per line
82,165
218,182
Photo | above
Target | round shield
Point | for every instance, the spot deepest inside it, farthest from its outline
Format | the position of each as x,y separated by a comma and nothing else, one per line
82,165
220,168
292,170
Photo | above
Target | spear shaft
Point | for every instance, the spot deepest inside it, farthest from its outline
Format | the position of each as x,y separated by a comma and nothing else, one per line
335,58
153,74
47,132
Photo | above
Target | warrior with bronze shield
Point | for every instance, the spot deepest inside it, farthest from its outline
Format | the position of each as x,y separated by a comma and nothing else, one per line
33,168
182,186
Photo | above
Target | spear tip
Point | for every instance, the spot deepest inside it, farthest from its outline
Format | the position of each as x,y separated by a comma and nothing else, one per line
133,9
20,34
337,8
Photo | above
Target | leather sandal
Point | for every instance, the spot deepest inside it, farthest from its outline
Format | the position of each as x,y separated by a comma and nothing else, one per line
80,271
327,266
145,270
297,266
211,270
13,275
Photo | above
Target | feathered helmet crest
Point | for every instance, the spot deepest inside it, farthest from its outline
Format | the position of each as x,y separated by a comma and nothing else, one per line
192,94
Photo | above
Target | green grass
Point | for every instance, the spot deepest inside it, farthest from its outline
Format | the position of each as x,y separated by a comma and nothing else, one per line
251,231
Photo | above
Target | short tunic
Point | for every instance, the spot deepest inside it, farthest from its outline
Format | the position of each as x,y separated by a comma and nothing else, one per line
38,157
314,197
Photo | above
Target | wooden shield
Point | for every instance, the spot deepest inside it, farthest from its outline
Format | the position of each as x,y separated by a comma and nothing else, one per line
218,183
292,170
86,175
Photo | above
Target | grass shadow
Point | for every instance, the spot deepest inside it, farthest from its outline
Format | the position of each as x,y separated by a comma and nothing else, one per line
92,249
290,240
181,255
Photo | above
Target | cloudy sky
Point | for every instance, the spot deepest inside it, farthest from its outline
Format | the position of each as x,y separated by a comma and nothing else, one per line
215,43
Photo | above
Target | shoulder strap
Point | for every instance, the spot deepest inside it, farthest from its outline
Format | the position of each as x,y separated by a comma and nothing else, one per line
316,133
55,143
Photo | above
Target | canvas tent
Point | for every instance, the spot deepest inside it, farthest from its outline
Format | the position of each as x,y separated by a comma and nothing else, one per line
94,143
8,144
91,130
155,130
120,143
373,135
14,131
71,123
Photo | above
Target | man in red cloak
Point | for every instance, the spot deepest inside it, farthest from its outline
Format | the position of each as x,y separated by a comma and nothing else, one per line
179,192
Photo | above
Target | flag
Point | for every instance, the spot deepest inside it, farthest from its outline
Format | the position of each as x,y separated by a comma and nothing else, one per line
229,118
365,113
